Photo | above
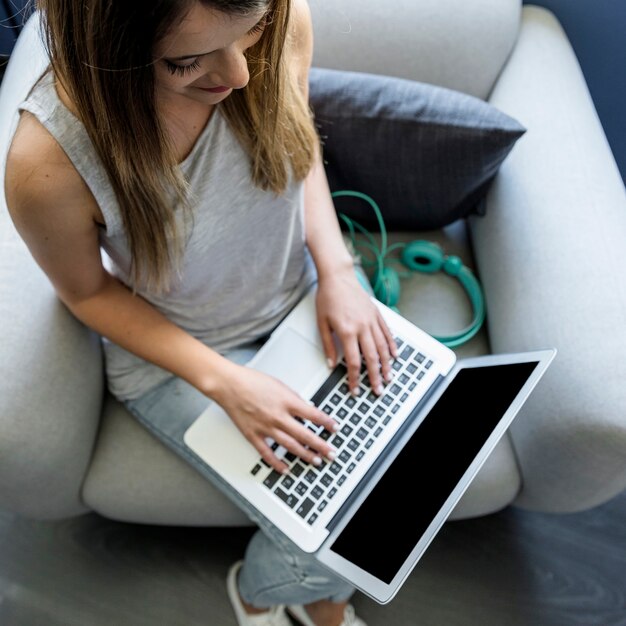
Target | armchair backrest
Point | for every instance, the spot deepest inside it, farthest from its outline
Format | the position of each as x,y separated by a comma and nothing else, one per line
459,44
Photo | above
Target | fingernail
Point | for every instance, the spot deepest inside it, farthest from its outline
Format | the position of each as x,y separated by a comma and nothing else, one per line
330,363
388,377
331,455
379,390
285,470
334,427
356,391
316,460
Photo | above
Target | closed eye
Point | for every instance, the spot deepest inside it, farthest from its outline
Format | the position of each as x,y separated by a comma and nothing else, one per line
182,70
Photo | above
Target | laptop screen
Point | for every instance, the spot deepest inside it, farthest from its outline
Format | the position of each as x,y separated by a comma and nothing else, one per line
392,519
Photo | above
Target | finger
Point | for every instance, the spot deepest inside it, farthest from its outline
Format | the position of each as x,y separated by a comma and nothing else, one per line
372,361
315,415
352,355
307,436
391,342
328,344
382,346
307,454
268,455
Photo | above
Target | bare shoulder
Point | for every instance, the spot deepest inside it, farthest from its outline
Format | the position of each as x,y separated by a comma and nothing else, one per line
39,175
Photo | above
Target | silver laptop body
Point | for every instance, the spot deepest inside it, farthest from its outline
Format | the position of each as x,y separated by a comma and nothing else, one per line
335,510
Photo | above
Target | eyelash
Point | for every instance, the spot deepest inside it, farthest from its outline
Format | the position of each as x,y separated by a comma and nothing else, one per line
183,70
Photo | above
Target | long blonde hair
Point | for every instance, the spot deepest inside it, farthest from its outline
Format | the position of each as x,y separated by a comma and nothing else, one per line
101,52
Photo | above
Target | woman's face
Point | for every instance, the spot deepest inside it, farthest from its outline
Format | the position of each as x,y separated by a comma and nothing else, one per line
202,58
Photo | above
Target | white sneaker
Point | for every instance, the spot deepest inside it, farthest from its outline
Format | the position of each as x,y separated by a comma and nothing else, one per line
275,616
349,616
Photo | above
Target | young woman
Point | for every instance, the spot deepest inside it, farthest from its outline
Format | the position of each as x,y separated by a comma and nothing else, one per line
166,175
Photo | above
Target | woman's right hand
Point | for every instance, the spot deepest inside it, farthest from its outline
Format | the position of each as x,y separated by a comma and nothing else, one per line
262,406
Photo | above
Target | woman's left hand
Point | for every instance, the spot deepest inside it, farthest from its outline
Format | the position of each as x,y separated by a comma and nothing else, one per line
345,308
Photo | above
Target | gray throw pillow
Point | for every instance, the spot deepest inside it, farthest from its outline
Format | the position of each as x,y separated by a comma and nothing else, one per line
425,154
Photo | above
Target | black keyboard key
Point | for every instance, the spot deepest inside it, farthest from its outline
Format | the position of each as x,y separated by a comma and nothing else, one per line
387,420
343,389
327,409
337,441
342,413
360,455
350,401
317,492
361,433
346,430
404,397
335,468
355,419
387,400
297,469
288,498
255,469
412,368
395,389
428,364
312,518
378,431
287,482
412,386
332,493
420,357
322,505
310,476
420,376
344,457
403,379
363,408
369,443
301,488
335,399
370,422
353,444
325,435
350,468
379,411
305,507
395,409
406,353
326,480
396,365
341,480
272,479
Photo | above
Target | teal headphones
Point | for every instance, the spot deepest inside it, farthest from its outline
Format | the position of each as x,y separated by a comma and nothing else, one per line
417,256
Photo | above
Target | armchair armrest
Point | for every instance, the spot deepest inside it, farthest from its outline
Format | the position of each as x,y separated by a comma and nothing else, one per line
551,252
51,380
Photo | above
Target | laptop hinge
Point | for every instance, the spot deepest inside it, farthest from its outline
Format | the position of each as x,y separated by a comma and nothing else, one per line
383,455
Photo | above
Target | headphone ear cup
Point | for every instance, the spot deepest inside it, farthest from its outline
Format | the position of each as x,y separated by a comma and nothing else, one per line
422,256
386,286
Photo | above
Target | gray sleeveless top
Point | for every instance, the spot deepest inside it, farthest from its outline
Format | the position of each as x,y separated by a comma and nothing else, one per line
245,263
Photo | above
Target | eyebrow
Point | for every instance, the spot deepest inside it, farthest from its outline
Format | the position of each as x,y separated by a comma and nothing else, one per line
201,54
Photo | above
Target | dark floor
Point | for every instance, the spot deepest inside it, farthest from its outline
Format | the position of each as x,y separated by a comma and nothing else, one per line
514,568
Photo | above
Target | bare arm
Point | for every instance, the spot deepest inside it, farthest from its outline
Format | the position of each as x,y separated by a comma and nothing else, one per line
57,217
343,306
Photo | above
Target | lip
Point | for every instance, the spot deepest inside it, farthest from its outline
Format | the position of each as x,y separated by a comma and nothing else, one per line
215,89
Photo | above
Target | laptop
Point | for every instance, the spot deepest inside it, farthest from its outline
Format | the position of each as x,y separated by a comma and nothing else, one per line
403,458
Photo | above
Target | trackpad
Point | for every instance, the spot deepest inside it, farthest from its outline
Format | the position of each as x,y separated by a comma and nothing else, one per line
290,357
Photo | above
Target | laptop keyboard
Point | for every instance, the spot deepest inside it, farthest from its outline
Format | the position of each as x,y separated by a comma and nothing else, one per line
308,488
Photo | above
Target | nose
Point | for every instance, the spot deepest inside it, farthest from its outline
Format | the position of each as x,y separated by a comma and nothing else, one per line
232,69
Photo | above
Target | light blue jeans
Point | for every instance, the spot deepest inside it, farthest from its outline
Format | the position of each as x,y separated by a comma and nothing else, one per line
275,570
